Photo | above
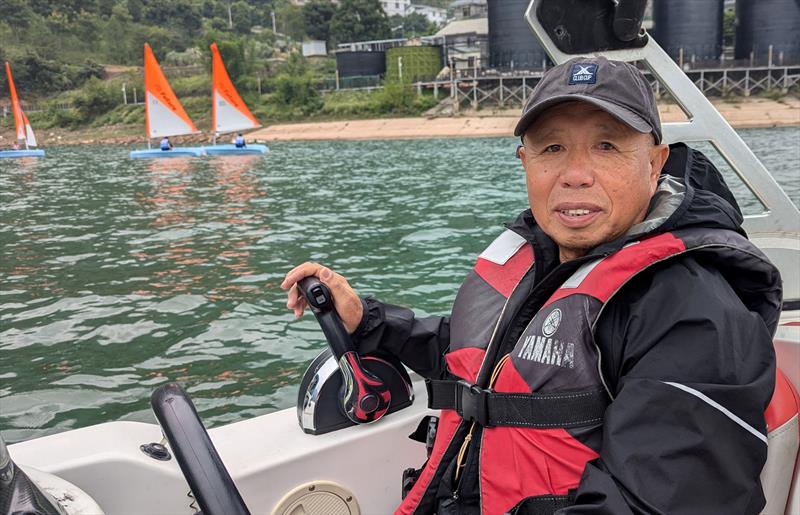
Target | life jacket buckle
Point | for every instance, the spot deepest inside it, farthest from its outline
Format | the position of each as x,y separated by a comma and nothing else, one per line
472,403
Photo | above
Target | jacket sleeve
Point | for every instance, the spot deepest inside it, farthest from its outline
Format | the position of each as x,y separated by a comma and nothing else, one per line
420,343
692,371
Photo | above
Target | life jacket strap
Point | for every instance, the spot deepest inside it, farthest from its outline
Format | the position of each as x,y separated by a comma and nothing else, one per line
535,410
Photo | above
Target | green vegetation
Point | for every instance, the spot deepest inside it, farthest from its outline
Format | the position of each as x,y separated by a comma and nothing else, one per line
729,27
411,26
418,63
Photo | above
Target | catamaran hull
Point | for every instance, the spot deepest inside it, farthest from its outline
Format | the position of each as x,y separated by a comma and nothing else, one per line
175,152
232,150
21,153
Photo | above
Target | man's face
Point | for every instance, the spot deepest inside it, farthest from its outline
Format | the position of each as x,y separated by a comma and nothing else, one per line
590,177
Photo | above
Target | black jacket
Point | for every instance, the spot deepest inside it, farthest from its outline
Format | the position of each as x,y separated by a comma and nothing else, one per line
697,321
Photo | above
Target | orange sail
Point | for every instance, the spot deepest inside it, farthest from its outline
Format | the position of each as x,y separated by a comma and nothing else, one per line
16,108
228,111
165,115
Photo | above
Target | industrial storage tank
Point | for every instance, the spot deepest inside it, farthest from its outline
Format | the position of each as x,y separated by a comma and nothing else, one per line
413,63
360,63
512,44
693,25
761,23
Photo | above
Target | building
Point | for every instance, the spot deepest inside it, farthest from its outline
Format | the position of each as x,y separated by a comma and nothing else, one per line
466,43
314,48
398,7
433,14
466,9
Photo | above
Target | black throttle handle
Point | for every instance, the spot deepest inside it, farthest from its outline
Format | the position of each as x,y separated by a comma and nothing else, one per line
365,397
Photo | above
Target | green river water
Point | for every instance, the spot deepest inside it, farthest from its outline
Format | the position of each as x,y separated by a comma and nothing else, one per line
117,276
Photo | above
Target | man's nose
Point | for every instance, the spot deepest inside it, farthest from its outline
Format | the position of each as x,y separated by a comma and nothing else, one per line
578,171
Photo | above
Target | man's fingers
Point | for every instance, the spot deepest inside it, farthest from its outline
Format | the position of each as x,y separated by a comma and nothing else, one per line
298,272
296,302
292,297
300,307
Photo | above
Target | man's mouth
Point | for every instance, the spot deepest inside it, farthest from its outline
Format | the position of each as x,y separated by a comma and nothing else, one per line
576,215
574,212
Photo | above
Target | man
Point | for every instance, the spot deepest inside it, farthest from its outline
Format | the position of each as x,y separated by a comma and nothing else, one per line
239,141
165,143
15,145
613,346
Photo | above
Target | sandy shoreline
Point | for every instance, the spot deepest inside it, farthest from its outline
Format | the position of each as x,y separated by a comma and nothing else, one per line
741,113
746,113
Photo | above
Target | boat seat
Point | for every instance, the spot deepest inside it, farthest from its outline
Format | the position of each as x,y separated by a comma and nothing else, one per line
780,477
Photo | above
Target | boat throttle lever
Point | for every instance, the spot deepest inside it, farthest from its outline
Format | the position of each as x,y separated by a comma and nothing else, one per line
365,397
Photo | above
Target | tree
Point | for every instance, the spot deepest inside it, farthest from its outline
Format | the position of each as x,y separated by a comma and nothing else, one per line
16,14
728,27
118,40
35,74
243,17
290,21
415,24
359,20
317,15
135,8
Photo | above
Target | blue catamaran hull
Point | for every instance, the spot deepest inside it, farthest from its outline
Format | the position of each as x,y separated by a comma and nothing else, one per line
175,152
216,150
21,153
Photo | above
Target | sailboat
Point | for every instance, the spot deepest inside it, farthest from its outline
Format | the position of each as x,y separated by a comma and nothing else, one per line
164,114
21,124
229,113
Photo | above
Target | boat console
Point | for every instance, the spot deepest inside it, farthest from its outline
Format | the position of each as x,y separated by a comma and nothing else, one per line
341,388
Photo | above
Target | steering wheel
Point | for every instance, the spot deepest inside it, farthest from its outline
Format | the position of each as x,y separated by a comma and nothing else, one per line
209,480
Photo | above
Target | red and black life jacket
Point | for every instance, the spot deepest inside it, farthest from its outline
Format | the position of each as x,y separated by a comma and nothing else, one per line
545,399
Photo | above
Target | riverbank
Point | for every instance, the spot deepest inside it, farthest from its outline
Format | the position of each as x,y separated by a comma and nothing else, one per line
741,113
754,112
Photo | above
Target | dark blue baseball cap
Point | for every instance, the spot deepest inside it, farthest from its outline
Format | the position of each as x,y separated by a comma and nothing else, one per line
616,87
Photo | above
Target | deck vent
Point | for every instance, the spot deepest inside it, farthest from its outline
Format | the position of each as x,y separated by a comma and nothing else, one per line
318,498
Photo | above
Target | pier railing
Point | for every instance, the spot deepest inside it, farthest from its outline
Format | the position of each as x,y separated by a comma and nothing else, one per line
513,89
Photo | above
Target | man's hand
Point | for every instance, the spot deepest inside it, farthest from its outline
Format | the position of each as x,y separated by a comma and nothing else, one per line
345,299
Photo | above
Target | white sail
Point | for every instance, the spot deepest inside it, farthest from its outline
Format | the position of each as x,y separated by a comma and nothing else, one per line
164,121
30,137
230,119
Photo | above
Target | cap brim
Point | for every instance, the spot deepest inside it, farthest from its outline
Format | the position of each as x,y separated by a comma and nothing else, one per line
623,114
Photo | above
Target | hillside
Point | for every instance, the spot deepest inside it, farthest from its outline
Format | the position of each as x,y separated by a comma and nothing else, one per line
72,58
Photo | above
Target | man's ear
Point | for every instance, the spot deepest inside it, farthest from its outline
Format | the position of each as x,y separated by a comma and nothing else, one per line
658,157
521,150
